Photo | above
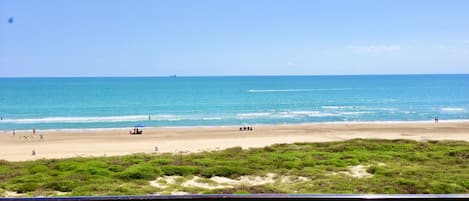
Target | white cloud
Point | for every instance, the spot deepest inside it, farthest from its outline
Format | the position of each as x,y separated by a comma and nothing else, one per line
375,48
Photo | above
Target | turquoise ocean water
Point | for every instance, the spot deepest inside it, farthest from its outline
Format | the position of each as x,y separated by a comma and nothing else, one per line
64,103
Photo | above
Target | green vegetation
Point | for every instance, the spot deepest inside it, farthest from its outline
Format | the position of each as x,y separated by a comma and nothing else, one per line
395,166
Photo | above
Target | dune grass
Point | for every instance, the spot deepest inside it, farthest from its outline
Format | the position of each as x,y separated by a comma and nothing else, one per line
397,166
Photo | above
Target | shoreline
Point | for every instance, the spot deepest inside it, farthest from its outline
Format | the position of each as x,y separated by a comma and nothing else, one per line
66,130
190,139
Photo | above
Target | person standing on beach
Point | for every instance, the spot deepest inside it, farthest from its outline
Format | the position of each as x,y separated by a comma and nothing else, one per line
34,130
149,117
14,132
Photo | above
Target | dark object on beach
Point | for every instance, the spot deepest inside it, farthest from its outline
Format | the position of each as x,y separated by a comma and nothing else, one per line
136,131
41,136
436,119
34,131
33,152
10,20
240,128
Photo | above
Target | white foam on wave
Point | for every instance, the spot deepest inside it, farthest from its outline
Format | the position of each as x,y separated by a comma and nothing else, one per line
355,113
76,119
306,113
109,119
253,114
211,118
296,90
336,107
452,109
299,114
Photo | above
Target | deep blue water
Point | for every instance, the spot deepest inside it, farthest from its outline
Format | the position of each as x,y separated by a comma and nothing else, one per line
54,103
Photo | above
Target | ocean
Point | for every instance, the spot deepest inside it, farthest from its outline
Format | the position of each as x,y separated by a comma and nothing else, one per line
83,103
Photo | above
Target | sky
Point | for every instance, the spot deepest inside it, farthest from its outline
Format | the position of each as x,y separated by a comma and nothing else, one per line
55,38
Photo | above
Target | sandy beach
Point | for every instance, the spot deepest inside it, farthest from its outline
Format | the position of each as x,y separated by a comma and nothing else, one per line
64,144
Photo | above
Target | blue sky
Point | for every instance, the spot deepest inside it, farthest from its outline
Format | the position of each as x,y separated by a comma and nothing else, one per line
252,37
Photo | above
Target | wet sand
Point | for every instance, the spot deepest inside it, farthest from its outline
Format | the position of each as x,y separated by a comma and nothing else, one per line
63,144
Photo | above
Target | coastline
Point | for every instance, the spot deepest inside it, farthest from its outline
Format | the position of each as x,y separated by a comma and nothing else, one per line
68,130
197,139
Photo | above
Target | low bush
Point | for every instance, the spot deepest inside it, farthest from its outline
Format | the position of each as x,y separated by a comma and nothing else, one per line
61,185
162,161
180,170
140,171
223,171
38,168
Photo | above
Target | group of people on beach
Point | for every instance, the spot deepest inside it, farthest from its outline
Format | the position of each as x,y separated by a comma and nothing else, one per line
135,131
245,128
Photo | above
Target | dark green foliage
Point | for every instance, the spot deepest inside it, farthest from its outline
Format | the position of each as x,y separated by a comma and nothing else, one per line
179,170
140,171
61,185
224,171
161,161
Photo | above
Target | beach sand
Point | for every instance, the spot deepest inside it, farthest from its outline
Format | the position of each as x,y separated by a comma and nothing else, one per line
64,144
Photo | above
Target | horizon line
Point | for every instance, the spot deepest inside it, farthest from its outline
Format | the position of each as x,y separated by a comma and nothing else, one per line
259,75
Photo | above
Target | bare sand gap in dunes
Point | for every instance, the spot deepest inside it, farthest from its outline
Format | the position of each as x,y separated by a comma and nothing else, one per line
63,144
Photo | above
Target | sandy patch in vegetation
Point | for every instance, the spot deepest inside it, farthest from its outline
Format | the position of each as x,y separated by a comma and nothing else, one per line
358,171
179,193
225,182
12,194
59,193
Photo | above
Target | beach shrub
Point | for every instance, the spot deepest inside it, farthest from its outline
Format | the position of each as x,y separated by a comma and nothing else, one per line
67,165
38,168
61,185
131,159
205,162
24,187
162,161
333,162
179,170
5,172
95,163
90,170
291,164
140,171
459,153
224,171
116,168
446,188
233,151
